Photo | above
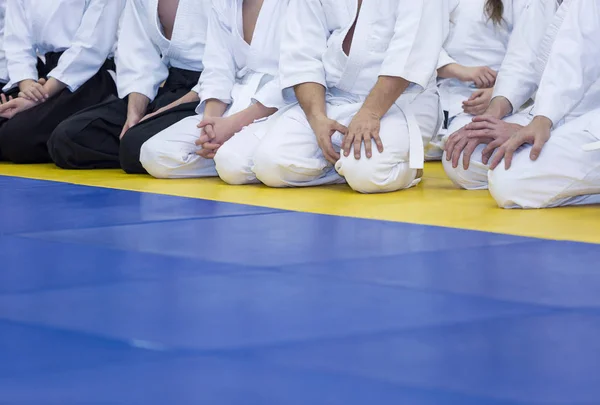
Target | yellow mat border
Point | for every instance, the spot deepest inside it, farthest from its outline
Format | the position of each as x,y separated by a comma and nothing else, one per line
434,202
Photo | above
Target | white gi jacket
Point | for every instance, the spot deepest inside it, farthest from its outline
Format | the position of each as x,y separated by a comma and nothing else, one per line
528,49
474,40
144,55
86,30
237,73
570,83
400,38
3,69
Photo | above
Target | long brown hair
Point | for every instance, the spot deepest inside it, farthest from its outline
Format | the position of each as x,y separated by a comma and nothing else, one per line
494,9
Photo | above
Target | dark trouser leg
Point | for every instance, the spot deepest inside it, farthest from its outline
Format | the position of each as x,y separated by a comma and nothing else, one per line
23,138
90,139
132,141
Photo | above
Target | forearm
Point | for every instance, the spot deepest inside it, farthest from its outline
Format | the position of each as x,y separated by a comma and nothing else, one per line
191,97
450,71
385,93
311,97
255,112
52,87
137,105
499,107
214,108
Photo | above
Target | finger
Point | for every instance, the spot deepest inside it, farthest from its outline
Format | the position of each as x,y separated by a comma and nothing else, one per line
457,152
449,145
378,142
3,97
357,142
511,147
491,79
487,152
340,128
210,146
481,135
210,131
123,133
347,143
478,125
468,151
330,153
485,118
38,93
205,122
498,157
368,141
471,103
538,144
475,95
203,139
492,72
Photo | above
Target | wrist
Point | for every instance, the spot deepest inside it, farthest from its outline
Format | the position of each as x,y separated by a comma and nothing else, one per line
542,121
25,83
499,107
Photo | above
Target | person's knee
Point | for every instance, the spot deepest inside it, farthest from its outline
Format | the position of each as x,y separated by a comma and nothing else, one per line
511,189
130,153
157,159
60,146
473,178
270,167
375,175
232,167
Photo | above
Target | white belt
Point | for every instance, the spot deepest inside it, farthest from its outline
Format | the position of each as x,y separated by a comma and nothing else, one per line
416,147
590,147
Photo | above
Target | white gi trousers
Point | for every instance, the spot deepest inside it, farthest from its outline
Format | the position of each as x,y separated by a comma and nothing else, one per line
564,173
476,176
171,154
289,155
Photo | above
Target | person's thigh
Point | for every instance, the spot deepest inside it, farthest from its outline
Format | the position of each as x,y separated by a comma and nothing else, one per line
172,153
90,138
563,174
134,138
289,155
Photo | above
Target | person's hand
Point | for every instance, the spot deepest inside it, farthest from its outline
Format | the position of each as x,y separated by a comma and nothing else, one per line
10,108
132,120
537,133
459,144
478,102
324,128
3,99
492,131
482,76
33,91
363,128
215,132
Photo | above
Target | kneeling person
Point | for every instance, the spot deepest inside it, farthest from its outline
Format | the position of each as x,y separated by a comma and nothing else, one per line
160,41
76,38
238,89
374,73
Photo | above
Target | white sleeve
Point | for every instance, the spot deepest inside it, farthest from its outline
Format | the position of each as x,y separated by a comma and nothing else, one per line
303,44
140,68
21,55
93,42
444,59
415,48
218,78
518,78
573,65
270,95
